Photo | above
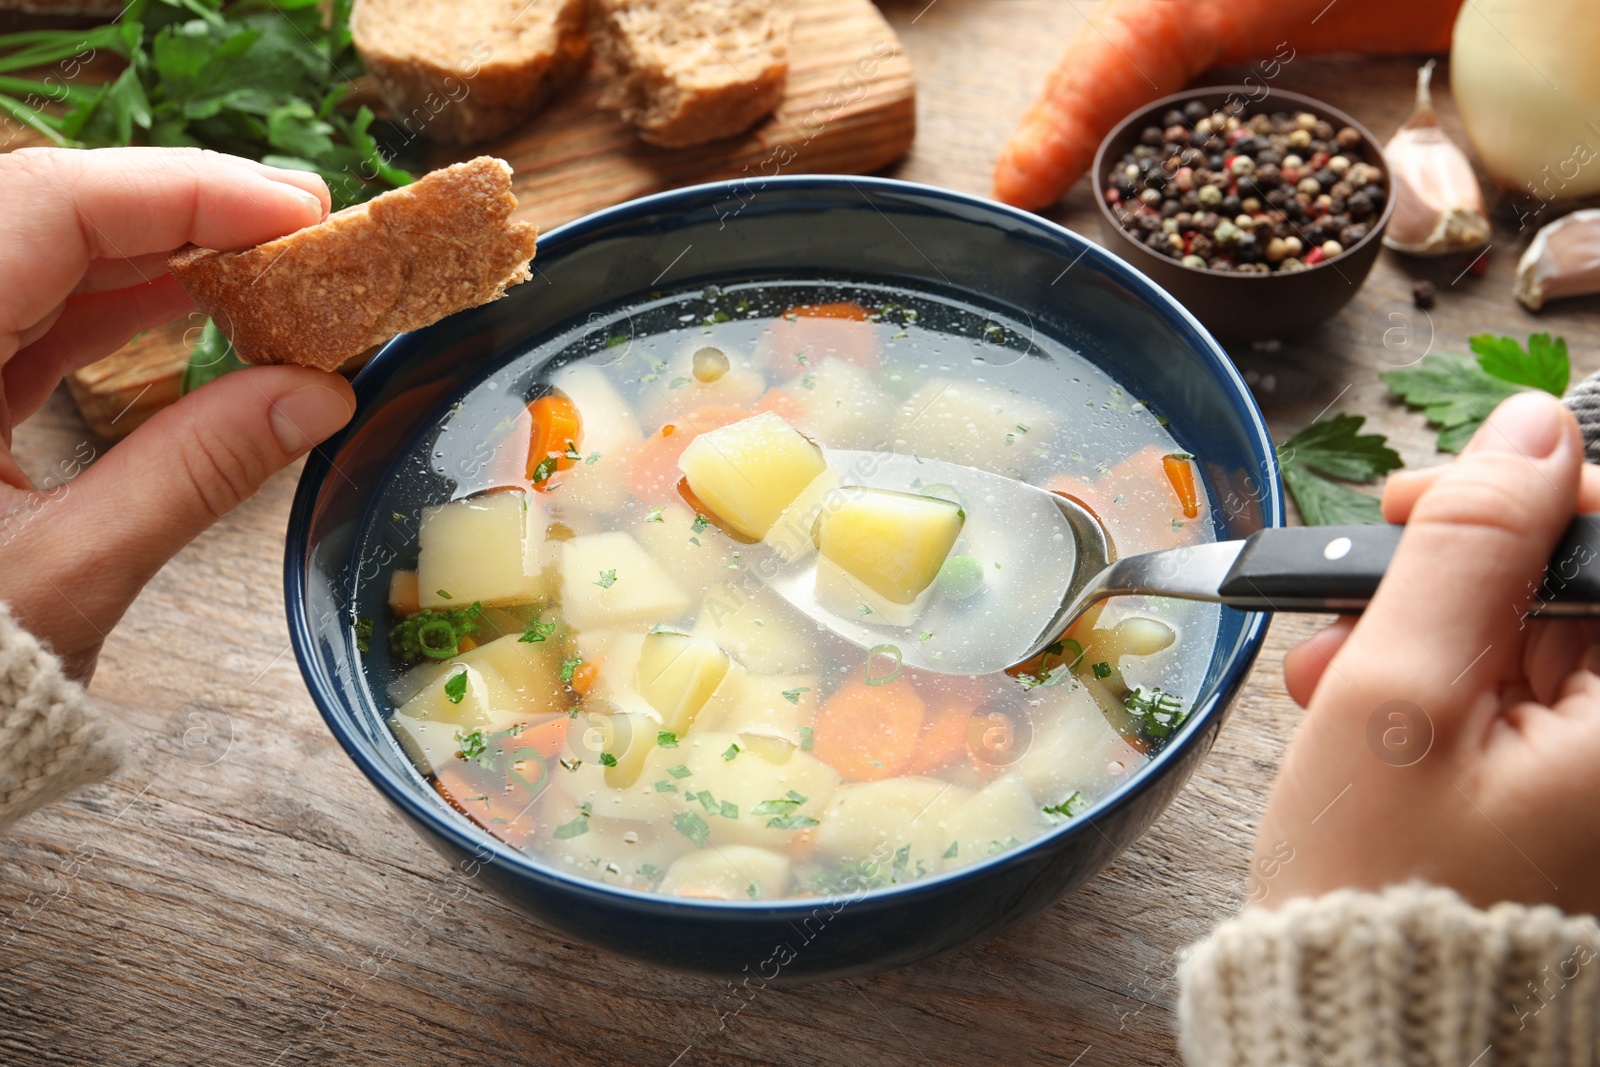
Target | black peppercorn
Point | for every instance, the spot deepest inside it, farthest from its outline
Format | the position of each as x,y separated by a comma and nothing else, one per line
1231,206
1194,111
1360,204
1173,117
1214,161
1423,293
1352,233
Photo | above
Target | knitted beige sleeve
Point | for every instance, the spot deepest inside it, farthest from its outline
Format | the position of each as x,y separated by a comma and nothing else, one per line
51,739
1410,977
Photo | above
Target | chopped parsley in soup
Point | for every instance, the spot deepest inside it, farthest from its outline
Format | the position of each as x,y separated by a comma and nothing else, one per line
581,657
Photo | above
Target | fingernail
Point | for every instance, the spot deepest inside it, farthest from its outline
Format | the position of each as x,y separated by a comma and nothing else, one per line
1530,423
308,416
312,204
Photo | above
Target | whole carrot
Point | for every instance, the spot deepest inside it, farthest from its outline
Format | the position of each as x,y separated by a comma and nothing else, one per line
1134,51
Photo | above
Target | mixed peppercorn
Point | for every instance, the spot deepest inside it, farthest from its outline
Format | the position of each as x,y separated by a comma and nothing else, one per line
1246,193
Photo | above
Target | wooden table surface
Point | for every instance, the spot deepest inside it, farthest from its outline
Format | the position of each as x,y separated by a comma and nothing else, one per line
241,895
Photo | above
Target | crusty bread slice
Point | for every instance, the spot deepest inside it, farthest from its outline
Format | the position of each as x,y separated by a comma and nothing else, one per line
464,72
692,71
399,262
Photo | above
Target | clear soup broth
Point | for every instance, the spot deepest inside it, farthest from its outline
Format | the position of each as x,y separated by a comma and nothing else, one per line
587,666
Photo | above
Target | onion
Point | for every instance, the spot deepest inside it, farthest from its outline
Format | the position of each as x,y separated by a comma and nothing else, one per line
1526,79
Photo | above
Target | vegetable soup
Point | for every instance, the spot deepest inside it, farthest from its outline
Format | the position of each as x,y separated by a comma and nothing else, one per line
581,656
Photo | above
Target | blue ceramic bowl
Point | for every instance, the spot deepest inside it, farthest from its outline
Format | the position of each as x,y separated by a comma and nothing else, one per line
826,228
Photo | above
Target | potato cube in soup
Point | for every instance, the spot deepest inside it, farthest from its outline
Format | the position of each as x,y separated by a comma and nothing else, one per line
875,820
488,548
768,705
428,743
678,674
508,681
743,779
894,543
748,472
1001,815
608,580
971,423
843,406
761,631
608,422
732,872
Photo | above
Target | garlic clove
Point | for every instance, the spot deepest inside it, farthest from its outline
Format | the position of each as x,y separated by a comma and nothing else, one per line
1563,260
1438,205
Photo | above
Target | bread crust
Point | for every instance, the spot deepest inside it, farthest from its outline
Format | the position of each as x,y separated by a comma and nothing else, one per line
487,79
673,101
398,262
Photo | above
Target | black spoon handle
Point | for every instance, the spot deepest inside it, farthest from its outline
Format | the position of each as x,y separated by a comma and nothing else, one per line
1337,568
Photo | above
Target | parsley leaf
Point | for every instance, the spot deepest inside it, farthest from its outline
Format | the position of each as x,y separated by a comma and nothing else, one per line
700,523
793,695
607,760
537,631
666,739
577,826
656,515
570,667
607,579
474,745
1070,807
732,751
680,771
791,822
455,687
691,826
1544,364
1335,447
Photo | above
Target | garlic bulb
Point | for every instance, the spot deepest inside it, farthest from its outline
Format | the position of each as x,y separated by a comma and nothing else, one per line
1438,207
1525,78
1563,260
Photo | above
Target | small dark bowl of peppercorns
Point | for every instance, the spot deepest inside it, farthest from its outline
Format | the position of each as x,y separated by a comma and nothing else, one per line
1261,211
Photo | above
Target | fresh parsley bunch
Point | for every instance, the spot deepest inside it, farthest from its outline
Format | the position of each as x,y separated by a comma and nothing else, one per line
256,78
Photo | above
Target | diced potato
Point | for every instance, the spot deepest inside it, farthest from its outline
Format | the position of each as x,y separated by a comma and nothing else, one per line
893,542
844,407
874,820
696,568
508,681
1073,747
748,472
636,588
677,675
583,777
485,700
1002,814
428,743
760,630
403,593
969,423
488,548
1135,635
587,488
747,780
622,852
608,422
761,705
411,682
732,872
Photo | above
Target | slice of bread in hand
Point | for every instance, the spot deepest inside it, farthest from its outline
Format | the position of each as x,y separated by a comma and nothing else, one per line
464,72
399,262
692,71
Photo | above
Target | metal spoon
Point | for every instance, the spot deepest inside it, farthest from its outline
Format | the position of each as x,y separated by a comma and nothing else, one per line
1046,560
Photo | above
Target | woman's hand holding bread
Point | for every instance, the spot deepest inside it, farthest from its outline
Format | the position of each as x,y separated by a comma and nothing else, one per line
83,246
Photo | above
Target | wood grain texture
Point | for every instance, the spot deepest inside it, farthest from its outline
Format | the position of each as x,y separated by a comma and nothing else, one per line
241,895
849,107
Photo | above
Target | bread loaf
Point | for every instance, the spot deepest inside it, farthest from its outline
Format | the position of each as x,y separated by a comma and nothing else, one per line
692,71
465,72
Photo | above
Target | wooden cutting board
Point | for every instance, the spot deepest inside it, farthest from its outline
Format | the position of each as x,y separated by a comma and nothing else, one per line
850,108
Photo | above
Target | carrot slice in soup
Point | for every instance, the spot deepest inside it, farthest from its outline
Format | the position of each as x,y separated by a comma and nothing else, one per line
806,334
556,428
867,732
1180,472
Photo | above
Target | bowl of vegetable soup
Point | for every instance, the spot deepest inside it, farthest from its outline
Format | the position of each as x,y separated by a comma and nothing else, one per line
531,586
